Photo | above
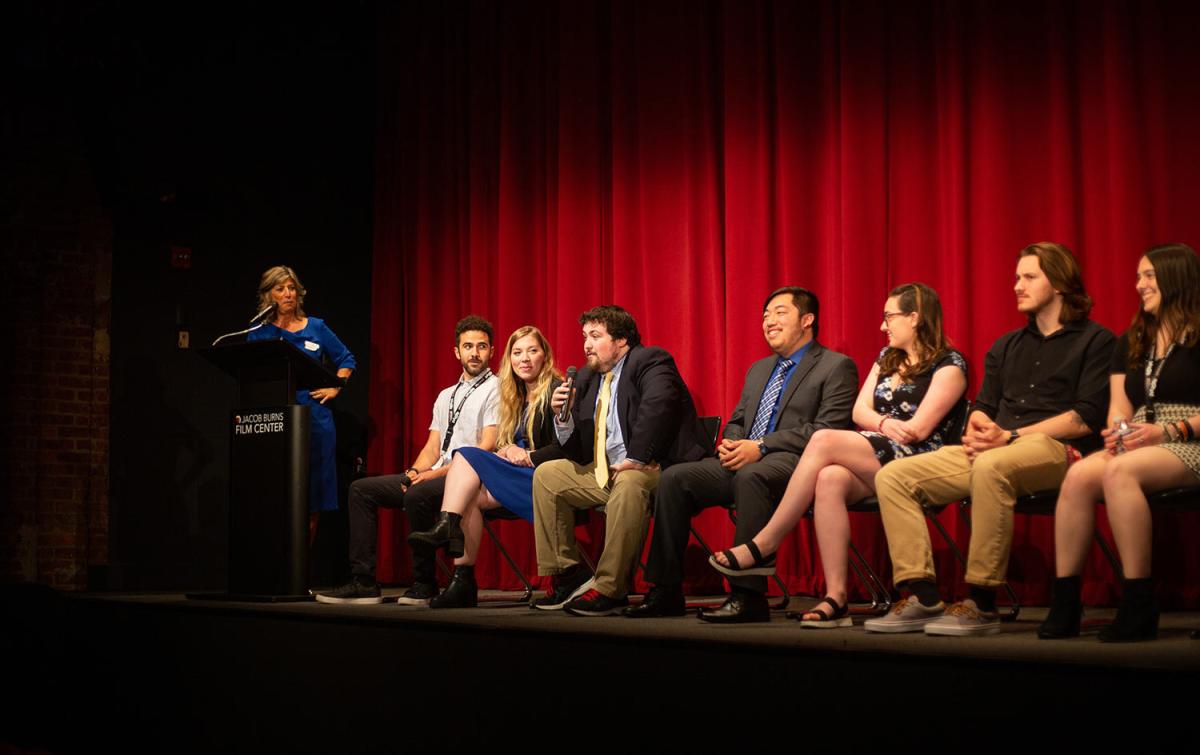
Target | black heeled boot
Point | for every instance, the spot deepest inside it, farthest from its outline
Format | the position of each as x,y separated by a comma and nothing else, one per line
447,532
462,592
1066,611
1137,614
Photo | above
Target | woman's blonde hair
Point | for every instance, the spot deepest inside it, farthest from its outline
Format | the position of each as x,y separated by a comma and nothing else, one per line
513,389
272,278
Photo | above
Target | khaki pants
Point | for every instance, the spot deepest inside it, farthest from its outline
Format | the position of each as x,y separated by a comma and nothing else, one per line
562,486
1031,464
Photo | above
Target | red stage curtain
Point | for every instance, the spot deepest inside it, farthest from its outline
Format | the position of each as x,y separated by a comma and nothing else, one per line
682,159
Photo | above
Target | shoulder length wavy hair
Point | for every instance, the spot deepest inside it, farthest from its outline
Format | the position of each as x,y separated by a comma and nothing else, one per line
1061,267
272,278
514,392
931,341
1177,275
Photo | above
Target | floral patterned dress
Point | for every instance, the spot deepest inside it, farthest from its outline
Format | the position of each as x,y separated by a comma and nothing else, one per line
902,401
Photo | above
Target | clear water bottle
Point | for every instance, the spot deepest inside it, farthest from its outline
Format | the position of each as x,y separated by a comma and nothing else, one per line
1120,429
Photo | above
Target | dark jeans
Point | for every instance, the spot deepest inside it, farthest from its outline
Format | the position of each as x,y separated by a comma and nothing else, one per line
421,504
684,490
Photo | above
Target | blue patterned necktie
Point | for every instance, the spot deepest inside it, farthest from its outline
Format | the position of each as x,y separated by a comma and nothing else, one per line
766,407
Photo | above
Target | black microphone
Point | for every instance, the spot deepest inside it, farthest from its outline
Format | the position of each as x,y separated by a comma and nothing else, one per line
263,314
566,407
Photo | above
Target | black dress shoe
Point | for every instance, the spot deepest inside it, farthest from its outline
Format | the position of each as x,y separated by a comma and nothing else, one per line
739,608
659,602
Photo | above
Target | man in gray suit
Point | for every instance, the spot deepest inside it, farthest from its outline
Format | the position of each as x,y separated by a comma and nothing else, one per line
786,398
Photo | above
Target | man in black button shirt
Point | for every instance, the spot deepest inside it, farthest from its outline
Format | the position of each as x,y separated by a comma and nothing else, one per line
1044,395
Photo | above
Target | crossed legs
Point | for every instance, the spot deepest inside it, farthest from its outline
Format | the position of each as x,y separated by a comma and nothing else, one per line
837,466
468,497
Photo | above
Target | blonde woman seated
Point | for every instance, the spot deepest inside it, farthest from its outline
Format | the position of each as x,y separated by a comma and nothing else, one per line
480,480
1154,368
909,400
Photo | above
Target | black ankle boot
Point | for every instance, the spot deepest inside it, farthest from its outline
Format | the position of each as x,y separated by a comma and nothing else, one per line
1137,614
1066,611
447,532
462,592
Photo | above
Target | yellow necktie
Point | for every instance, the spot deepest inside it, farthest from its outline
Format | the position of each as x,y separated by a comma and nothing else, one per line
602,431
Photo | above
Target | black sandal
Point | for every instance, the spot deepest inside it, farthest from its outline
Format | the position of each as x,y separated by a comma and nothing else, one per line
763,567
838,619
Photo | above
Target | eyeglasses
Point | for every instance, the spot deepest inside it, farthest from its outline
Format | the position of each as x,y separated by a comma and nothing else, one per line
887,316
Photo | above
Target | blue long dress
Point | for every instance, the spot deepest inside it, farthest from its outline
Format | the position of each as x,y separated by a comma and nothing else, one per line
316,339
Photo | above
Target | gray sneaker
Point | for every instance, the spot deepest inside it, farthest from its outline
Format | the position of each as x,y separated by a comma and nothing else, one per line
906,616
965,620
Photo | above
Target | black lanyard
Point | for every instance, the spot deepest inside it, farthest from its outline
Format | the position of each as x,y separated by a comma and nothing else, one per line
1151,380
455,413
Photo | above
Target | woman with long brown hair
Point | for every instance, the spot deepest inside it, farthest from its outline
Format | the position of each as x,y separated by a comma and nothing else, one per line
479,480
1152,448
907,400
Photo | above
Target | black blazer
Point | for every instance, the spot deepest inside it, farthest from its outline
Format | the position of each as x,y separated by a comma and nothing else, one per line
657,416
545,440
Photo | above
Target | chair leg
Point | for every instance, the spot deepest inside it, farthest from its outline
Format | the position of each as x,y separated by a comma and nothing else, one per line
881,599
529,590
1112,558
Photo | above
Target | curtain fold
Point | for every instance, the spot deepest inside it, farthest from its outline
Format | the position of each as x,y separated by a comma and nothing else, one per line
683,159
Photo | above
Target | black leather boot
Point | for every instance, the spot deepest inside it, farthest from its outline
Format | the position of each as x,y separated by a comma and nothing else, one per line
1066,611
462,592
447,531
1137,614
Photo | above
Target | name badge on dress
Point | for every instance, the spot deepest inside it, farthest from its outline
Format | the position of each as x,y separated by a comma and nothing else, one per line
312,346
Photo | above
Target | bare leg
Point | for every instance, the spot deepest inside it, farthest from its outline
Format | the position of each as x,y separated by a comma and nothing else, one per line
462,486
835,486
472,527
1075,513
1127,479
841,447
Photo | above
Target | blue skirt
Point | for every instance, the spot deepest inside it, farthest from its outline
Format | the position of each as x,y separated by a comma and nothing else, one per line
509,484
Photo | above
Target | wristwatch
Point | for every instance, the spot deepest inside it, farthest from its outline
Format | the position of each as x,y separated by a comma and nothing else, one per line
1012,437
762,448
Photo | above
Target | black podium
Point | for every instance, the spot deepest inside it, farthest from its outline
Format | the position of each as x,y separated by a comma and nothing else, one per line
268,468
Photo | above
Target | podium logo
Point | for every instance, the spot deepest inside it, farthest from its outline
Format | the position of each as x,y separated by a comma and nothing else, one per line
257,424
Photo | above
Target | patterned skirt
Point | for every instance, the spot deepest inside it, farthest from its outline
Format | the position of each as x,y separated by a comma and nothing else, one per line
1189,452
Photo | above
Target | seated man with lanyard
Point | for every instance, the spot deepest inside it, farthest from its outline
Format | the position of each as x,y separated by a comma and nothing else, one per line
463,415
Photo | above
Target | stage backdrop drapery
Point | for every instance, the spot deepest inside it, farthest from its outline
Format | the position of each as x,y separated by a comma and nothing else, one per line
682,159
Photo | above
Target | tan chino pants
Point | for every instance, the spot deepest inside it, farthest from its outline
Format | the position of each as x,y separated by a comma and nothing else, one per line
994,481
562,486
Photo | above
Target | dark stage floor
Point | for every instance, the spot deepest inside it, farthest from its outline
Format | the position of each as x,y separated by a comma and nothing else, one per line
160,672
1173,651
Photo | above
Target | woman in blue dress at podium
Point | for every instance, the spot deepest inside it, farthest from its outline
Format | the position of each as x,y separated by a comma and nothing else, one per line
281,287
480,480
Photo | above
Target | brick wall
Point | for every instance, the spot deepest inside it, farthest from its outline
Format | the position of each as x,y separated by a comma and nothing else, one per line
55,285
